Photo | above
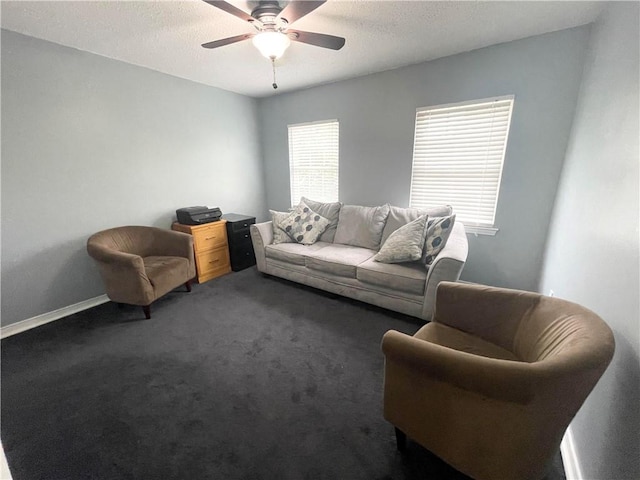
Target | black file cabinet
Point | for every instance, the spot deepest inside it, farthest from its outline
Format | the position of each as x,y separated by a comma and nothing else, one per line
240,246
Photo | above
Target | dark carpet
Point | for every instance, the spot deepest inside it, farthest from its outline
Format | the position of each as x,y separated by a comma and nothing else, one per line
246,377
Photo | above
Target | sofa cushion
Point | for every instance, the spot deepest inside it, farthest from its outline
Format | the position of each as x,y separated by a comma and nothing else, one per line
304,225
338,259
406,277
399,216
405,244
330,211
293,253
438,231
361,226
279,235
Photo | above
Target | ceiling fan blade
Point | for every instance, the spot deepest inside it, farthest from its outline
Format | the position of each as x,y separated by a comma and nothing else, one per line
299,8
227,41
317,39
227,7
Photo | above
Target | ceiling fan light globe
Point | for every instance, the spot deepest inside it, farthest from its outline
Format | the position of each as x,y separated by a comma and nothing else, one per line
271,44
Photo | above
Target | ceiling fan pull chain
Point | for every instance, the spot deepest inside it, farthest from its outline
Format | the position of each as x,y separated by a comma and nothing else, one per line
273,65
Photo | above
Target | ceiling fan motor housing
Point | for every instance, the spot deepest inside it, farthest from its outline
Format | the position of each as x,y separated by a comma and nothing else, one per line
267,12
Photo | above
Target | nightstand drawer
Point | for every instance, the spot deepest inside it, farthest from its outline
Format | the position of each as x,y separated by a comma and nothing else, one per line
213,262
209,237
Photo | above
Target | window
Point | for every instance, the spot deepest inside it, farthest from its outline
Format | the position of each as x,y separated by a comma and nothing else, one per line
313,161
458,153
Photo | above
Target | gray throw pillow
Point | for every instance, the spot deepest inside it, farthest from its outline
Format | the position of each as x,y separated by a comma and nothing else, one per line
279,235
361,226
304,225
405,244
330,211
438,231
399,216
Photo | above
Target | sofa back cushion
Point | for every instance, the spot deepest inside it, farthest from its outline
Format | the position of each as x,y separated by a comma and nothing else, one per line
361,226
330,211
399,216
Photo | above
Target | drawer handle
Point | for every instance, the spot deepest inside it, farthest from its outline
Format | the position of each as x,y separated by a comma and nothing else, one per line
246,224
214,261
210,238
246,236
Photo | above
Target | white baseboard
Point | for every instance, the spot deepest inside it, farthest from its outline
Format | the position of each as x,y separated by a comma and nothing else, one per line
5,474
36,321
570,457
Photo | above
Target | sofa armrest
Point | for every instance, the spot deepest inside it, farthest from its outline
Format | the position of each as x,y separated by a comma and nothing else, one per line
261,236
499,379
447,266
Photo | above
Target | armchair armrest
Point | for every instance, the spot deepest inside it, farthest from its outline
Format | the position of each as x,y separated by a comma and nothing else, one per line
123,274
503,380
109,256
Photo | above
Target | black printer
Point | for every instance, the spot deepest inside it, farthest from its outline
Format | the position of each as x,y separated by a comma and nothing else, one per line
198,215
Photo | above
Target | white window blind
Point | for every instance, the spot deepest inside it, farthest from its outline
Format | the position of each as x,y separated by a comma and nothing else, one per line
458,154
313,161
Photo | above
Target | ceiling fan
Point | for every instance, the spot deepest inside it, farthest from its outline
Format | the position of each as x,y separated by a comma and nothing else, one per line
271,22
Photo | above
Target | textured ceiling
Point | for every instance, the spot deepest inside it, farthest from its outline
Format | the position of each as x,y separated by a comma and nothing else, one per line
380,35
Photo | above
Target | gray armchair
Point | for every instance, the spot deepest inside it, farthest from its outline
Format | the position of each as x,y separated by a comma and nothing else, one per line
140,264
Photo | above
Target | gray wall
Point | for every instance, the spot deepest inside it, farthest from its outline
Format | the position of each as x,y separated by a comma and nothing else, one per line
90,143
377,115
592,256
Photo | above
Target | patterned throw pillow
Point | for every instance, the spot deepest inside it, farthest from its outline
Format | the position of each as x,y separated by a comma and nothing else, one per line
330,211
405,244
304,225
279,235
438,231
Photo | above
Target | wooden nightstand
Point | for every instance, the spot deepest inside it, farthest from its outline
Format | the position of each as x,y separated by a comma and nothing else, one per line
240,246
211,248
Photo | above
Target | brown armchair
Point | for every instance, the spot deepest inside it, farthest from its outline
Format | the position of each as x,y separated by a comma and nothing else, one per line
491,384
140,264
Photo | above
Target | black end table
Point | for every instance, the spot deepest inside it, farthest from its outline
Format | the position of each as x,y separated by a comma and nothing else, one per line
240,246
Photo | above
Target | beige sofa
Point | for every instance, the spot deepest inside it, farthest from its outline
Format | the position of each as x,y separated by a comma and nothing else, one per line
350,271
